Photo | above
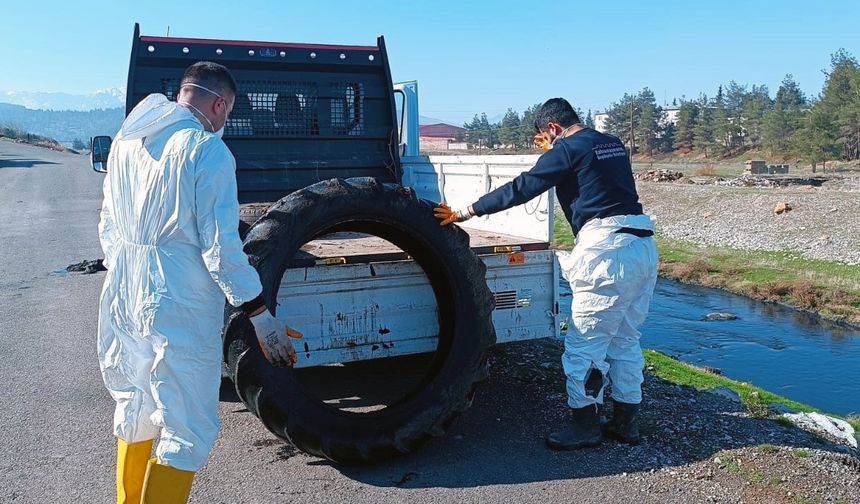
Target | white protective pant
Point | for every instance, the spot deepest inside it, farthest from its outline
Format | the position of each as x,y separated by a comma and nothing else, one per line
612,276
169,231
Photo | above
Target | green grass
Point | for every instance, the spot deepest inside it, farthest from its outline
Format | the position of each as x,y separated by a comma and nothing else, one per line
827,287
754,265
562,232
800,454
756,399
767,448
785,422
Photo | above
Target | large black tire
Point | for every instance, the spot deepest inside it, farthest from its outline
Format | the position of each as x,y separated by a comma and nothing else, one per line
464,301
249,213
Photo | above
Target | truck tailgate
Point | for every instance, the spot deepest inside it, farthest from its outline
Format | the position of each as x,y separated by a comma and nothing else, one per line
358,297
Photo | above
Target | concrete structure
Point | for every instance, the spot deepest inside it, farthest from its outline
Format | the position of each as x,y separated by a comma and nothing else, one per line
441,137
600,121
670,116
758,167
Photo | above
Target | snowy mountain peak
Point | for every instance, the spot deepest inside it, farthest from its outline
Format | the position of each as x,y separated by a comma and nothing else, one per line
107,98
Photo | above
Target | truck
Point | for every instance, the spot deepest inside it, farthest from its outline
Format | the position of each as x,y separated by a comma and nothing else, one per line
398,313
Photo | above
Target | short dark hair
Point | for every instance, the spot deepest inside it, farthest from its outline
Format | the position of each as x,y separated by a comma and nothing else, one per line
211,75
557,110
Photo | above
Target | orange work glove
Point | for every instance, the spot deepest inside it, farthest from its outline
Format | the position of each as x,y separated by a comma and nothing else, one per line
444,213
541,141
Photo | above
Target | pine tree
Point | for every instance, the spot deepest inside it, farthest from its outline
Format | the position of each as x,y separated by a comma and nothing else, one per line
818,140
489,132
473,131
647,121
703,131
618,118
840,99
782,121
666,142
736,98
722,131
756,105
688,115
527,126
589,120
509,129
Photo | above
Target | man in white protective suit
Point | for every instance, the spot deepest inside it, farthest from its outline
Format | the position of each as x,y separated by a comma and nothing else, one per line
612,269
169,231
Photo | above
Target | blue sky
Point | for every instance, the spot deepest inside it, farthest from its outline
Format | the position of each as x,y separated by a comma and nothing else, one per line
467,56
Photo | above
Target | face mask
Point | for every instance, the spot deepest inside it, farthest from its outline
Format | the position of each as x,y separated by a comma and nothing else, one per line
220,132
560,135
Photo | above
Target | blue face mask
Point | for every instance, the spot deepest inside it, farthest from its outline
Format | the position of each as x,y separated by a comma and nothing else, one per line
220,132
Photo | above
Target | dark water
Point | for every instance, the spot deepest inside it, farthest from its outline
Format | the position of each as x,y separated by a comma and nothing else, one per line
790,353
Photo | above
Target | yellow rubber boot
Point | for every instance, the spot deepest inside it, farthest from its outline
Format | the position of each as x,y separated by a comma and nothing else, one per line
131,461
166,485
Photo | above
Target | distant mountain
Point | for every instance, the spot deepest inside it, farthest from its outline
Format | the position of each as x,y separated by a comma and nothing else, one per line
101,99
422,120
65,117
63,125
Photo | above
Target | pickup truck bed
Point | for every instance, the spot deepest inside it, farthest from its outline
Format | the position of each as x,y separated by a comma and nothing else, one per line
352,248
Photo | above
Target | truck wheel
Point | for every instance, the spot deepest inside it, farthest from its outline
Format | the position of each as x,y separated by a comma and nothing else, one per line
466,333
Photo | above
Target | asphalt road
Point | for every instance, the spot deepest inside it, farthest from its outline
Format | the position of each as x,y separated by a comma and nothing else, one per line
55,422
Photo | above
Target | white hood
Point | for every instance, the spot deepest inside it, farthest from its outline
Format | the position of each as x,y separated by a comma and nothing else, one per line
154,114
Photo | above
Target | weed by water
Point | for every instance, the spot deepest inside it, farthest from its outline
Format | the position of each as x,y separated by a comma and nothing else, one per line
768,448
785,422
757,400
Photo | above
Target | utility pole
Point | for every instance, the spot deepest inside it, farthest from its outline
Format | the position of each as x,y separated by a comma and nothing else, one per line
632,137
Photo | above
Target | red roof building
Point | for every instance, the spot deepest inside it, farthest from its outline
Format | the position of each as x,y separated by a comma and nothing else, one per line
441,137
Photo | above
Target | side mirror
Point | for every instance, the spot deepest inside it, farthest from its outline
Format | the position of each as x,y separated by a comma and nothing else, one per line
99,149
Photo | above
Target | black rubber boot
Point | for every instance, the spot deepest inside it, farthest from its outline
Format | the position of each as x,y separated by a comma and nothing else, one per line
583,432
623,426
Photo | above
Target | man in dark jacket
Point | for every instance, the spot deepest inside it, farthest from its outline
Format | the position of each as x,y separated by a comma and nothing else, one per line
612,269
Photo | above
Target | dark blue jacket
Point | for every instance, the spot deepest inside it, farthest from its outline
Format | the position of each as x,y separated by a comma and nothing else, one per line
591,174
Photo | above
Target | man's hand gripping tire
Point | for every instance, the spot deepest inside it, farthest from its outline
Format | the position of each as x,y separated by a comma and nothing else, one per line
273,336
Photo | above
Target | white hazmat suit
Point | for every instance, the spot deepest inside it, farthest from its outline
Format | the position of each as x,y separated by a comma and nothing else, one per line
169,231
612,276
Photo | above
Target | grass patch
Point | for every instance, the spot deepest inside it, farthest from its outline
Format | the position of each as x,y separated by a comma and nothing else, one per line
768,448
829,288
801,454
826,287
562,232
705,171
785,422
19,135
681,373
756,400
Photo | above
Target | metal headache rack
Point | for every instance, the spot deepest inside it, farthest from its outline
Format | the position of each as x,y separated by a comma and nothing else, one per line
303,112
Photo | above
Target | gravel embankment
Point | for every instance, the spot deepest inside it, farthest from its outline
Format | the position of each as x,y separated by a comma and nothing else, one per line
706,446
823,222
